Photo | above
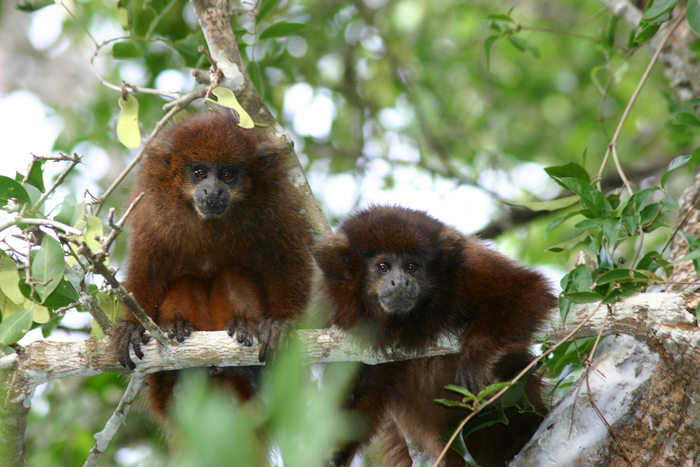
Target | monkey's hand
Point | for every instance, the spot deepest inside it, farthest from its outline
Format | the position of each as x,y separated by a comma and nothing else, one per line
179,330
272,334
127,334
474,376
244,328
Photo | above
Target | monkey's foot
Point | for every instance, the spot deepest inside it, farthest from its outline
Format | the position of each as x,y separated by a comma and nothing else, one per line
272,334
128,333
179,330
244,328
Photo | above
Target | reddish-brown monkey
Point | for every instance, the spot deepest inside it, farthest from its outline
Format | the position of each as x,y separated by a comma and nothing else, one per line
404,278
217,243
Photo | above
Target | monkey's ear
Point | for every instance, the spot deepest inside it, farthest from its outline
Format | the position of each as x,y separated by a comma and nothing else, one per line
334,254
452,240
267,153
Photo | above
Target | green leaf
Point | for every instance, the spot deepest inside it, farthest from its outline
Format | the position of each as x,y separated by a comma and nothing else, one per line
497,17
581,278
47,266
12,189
695,254
64,295
30,6
128,124
691,102
685,118
590,197
659,9
692,14
142,16
266,8
675,163
646,32
113,308
256,77
15,327
524,45
649,214
611,230
67,212
188,48
551,205
36,176
126,49
488,44
451,403
282,29
464,391
583,297
9,281
619,275
228,99
558,221
570,170
624,290
514,395
593,224
609,34
569,244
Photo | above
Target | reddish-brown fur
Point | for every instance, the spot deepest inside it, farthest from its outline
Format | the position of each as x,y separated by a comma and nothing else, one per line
247,269
494,305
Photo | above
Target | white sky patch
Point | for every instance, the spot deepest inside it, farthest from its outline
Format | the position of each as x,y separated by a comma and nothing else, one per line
46,26
28,126
311,113
464,207
133,72
174,81
532,177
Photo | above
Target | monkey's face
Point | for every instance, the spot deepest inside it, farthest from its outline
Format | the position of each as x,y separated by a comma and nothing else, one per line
214,187
395,282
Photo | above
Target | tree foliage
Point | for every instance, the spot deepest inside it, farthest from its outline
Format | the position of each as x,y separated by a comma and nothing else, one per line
494,105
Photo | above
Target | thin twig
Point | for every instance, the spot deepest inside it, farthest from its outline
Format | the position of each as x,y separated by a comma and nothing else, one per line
103,438
567,34
493,398
589,363
47,222
99,267
642,81
74,161
117,228
680,225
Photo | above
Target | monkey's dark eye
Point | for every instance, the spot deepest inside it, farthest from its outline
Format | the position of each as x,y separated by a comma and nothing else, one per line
227,175
383,267
411,268
200,173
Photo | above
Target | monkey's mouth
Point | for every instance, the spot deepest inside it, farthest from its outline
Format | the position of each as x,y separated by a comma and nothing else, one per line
211,210
398,304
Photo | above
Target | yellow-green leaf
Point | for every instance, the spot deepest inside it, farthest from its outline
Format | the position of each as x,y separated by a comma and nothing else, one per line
9,281
228,99
128,124
94,227
113,308
8,307
40,314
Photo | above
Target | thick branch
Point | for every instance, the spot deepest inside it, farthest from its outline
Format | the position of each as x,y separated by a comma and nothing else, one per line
42,361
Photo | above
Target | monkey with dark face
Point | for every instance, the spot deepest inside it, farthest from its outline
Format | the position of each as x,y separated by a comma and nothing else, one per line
218,242
404,279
